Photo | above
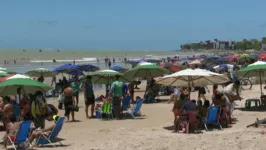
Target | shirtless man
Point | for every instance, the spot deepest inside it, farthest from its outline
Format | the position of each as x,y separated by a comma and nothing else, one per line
7,110
69,100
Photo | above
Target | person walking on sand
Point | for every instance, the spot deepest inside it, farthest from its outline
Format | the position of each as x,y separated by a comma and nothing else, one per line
75,87
69,101
89,97
117,93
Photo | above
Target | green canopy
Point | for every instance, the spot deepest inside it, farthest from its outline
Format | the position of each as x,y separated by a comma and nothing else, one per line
3,73
27,85
257,69
107,77
9,71
146,70
41,72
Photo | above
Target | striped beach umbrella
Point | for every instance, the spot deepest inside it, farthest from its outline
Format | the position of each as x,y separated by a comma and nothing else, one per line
146,70
27,85
107,77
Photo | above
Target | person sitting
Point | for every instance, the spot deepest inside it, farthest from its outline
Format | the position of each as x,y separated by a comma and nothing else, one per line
189,106
40,132
7,111
203,111
26,111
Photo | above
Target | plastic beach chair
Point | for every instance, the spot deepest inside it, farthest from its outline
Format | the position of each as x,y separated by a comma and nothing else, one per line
191,121
50,139
21,135
213,116
126,103
105,110
136,110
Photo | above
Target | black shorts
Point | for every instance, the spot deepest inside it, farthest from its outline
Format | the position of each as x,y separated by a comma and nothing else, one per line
90,100
67,102
76,94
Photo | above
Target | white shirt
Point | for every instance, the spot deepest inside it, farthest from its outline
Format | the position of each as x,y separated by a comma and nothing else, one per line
176,91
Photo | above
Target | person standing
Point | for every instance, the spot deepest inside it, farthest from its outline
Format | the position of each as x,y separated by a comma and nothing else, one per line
68,102
75,87
109,64
117,93
89,97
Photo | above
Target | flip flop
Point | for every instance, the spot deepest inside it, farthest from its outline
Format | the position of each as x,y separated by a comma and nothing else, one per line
262,132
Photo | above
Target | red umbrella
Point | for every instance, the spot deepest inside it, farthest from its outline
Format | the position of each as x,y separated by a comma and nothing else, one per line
171,67
6,77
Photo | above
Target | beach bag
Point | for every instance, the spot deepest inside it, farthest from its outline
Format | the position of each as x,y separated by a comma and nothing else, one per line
73,108
60,105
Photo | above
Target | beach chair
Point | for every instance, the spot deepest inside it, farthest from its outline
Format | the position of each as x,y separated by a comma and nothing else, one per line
136,110
51,137
105,110
213,116
126,103
21,135
191,121
17,112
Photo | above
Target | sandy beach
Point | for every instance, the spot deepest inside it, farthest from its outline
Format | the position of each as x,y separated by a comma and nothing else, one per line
151,132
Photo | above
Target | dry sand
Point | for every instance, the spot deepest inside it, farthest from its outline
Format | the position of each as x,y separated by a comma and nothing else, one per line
149,133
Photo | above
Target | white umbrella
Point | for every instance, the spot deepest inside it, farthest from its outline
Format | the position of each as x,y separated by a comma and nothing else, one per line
2,68
195,62
192,78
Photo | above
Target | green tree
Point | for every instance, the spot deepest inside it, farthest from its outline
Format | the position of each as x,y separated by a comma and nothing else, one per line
263,40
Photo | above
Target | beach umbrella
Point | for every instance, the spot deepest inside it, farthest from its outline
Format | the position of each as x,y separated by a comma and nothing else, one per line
257,69
27,85
88,67
69,69
3,68
172,67
6,77
146,70
107,77
3,73
118,68
193,78
41,72
195,62
229,66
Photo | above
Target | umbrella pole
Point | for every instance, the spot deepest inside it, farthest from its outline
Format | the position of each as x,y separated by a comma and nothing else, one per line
260,85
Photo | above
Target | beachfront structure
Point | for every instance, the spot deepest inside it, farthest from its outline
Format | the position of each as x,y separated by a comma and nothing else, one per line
216,44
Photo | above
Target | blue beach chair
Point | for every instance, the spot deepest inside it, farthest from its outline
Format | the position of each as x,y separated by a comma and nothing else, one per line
44,139
21,135
136,110
213,116
126,103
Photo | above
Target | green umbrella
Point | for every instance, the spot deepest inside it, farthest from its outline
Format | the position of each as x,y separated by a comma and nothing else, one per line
8,71
247,57
3,73
256,69
146,70
41,72
107,77
27,85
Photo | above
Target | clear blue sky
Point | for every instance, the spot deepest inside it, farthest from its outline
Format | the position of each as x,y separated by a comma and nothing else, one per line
127,24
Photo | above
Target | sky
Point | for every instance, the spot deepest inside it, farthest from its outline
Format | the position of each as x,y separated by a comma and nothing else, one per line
127,24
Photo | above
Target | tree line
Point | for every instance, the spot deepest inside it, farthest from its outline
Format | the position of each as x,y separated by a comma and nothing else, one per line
236,45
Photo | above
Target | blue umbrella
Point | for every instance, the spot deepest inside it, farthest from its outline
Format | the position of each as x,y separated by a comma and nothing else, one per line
69,69
88,67
118,68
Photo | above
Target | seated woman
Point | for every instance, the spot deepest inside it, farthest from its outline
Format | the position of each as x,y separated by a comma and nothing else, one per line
46,131
11,128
